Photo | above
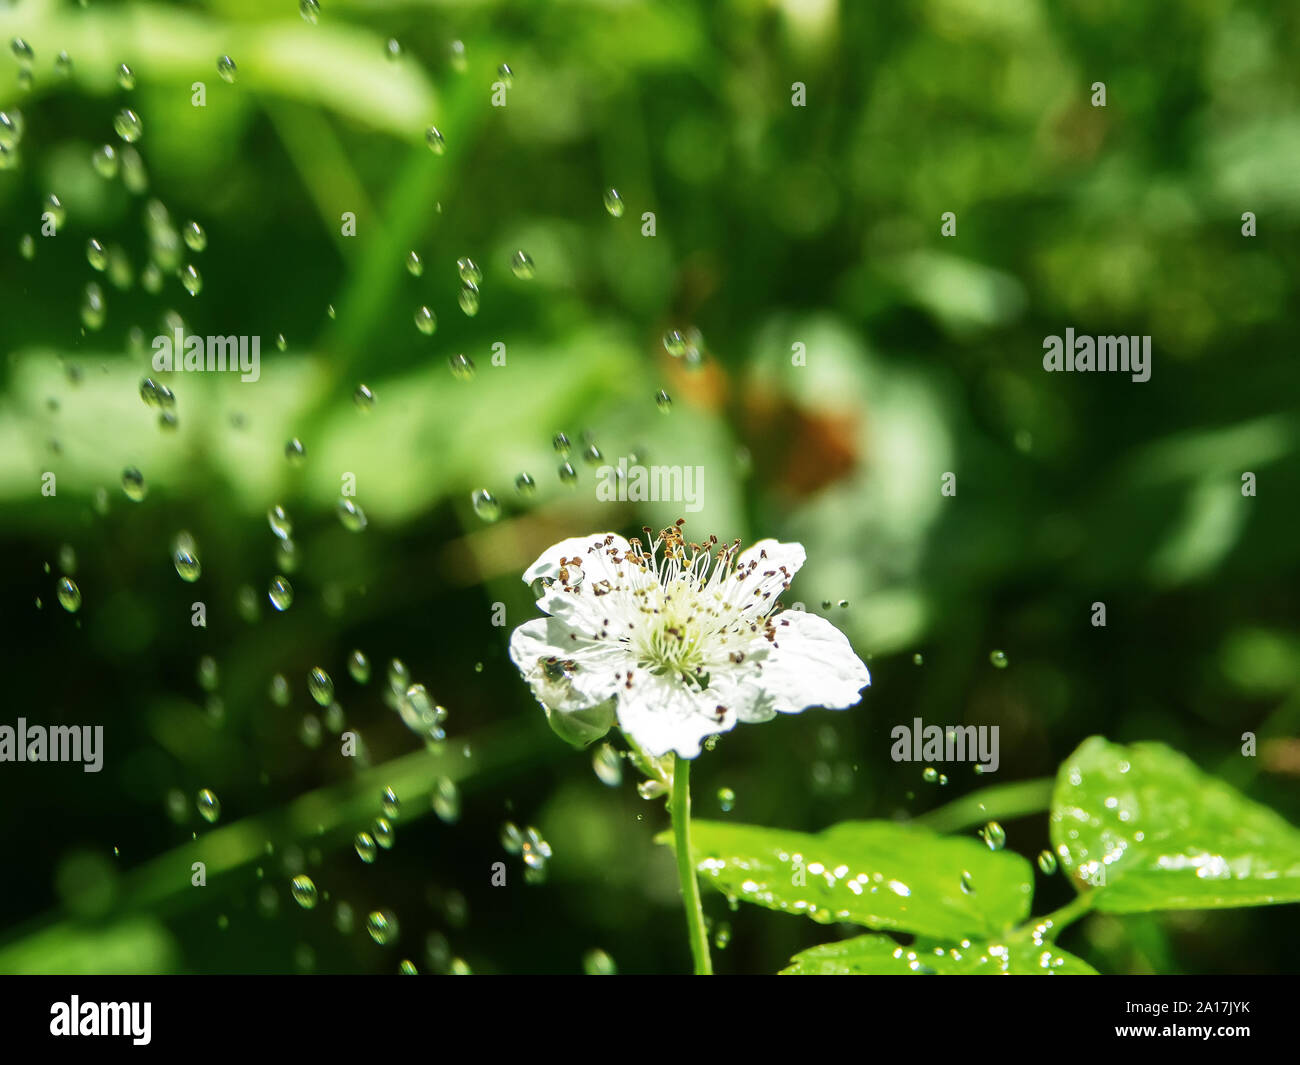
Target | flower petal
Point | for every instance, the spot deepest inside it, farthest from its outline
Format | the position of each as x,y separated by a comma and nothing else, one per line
662,713
811,663
763,572
566,670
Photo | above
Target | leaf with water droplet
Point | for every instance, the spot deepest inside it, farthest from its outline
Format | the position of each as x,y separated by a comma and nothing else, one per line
1147,830
873,873
882,956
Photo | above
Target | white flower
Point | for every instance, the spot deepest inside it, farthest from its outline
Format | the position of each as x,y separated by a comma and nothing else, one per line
681,641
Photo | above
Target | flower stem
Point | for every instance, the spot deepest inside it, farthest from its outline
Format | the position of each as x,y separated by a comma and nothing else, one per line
679,809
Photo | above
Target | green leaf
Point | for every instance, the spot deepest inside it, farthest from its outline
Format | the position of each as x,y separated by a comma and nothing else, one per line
1144,827
873,873
881,956
580,728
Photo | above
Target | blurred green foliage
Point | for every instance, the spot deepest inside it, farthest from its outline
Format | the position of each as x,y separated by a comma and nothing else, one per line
775,226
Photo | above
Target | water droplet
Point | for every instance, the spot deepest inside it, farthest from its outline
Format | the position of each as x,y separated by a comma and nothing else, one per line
93,307
125,77
195,238
27,246
967,884
309,10
391,803
352,517
561,444
281,524
486,505
128,126
506,75
462,367
568,475
383,833
726,800
393,49
469,271
321,686
651,789
535,851
10,130
722,936
607,764
279,690
434,139
295,452
446,800
456,53
303,889
512,840
281,593
280,343
398,675
133,484
69,595
592,456
209,805
426,321
664,401
995,836
207,673
382,926
675,343
521,265
930,774
364,398
359,667
999,659
227,69
414,265
365,847
407,968
22,51
917,660
191,279
185,556
1047,862
598,963
525,485
468,298
613,203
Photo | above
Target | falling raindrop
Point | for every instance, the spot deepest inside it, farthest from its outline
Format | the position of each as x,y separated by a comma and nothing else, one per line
456,52
209,805
303,889
1047,862
133,484
486,505
930,775
281,524
185,556
568,475
359,667
393,49
391,803
295,452
383,833
434,139
125,77
462,366
525,485
279,690
506,75
382,926
726,800
352,517
512,840
608,765
414,265
446,800
521,265
227,69
613,203
321,686
469,271
309,10
69,595
191,279
468,298
675,343
365,847
281,593
967,884
207,674
426,321
128,126
364,398
995,836
999,659
195,238
93,307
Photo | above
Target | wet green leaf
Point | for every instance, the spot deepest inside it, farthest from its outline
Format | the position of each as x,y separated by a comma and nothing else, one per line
1145,827
873,873
881,956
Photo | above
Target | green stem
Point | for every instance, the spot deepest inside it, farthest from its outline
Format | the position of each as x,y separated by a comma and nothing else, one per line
679,809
